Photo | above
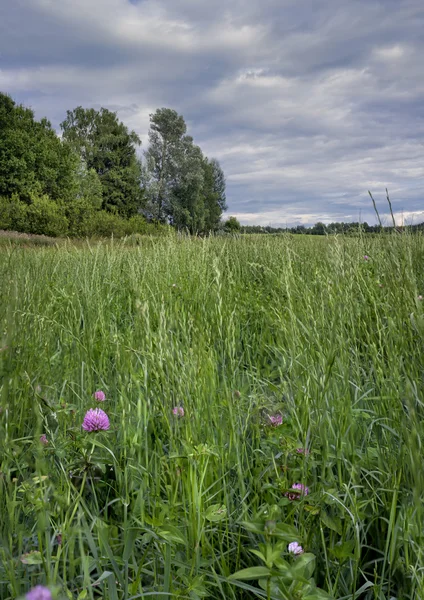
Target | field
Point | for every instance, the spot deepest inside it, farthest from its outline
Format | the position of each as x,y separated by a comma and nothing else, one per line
234,336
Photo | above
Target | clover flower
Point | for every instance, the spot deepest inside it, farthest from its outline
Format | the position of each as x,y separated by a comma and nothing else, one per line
295,548
275,420
95,420
39,593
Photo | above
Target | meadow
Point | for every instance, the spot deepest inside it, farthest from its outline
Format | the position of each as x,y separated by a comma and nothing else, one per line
227,372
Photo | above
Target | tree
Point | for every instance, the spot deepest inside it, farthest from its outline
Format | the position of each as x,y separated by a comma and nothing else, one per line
183,187
214,193
105,145
232,225
187,200
33,160
164,157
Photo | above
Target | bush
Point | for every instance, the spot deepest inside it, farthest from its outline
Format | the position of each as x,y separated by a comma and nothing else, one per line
139,225
45,217
42,216
81,218
232,225
12,213
106,224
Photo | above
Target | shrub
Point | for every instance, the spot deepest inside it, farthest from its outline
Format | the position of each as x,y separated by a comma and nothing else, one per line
139,225
42,216
12,213
106,224
45,217
81,218
232,225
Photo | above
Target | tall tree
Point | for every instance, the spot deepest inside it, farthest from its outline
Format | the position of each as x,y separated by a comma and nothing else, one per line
33,160
182,186
187,198
106,145
163,158
213,193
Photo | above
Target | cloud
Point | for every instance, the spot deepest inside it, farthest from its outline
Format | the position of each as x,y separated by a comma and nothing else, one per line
307,105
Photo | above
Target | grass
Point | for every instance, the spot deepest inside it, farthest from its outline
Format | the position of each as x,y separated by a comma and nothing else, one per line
168,507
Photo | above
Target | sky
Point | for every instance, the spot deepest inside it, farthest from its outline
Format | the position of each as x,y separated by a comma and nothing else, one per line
307,104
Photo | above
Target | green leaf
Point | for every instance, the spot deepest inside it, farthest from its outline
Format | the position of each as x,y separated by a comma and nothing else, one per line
317,594
286,532
216,513
344,550
333,523
102,577
254,526
170,533
304,567
251,573
32,558
314,510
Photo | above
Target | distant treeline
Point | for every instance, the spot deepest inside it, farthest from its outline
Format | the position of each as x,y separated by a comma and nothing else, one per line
331,228
91,181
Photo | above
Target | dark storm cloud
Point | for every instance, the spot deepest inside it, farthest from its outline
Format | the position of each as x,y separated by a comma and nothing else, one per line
306,104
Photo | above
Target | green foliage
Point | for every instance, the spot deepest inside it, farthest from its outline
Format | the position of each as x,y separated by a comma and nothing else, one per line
43,216
81,217
232,225
95,170
182,186
106,224
32,158
163,156
234,331
39,216
105,145
89,187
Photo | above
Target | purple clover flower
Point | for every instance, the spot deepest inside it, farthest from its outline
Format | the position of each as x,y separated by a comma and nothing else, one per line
295,548
96,420
366,257
44,440
178,411
303,451
304,491
275,420
39,593
100,396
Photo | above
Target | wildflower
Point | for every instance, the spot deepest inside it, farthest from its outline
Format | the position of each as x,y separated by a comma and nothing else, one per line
299,487
303,451
275,420
295,548
44,440
366,257
178,411
292,496
39,593
419,297
304,491
95,420
100,396
174,285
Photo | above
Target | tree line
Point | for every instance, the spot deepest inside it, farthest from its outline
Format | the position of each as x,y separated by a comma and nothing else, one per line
91,180
323,229
317,229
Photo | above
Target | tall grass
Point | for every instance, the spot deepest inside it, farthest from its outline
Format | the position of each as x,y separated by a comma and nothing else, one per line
234,331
